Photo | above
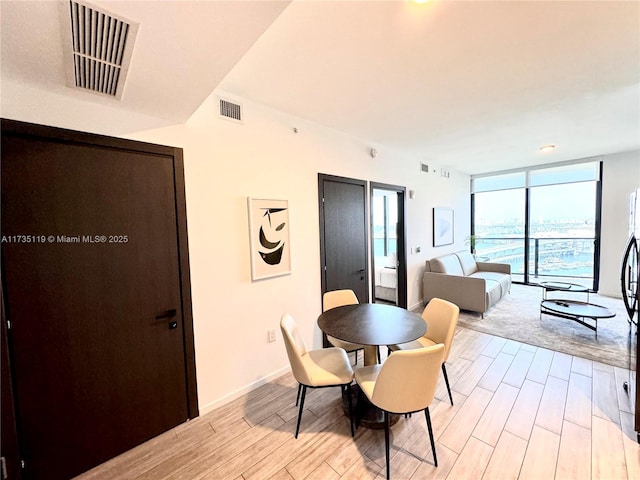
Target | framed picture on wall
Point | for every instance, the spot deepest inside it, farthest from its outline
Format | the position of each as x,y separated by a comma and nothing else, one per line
269,238
442,226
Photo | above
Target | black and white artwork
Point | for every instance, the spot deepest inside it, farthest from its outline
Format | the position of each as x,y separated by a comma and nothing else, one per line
269,238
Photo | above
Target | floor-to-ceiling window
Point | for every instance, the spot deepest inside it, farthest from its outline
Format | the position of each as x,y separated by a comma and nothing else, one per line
543,221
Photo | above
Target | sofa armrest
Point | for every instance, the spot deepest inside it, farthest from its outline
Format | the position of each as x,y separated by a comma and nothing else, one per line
468,293
494,267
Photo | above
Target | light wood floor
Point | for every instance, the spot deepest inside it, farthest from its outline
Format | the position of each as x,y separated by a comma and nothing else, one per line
520,412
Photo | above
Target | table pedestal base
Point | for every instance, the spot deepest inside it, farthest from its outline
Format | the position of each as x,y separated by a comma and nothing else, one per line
365,413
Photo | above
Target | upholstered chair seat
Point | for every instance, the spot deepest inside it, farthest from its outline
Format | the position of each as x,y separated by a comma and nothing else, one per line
326,367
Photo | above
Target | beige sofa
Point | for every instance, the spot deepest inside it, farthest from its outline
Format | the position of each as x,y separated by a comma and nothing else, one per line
474,286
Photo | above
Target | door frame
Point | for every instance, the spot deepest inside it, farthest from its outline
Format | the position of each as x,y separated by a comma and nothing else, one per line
401,239
19,129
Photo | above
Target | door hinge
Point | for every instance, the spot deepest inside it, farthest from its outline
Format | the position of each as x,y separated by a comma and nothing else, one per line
8,324
3,463
322,199
23,464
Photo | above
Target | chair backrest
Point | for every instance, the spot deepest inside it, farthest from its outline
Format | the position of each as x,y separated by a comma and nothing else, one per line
338,298
407,380
441,317
296,348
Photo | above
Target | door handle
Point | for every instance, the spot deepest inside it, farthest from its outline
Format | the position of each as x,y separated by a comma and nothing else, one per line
362,274
168,314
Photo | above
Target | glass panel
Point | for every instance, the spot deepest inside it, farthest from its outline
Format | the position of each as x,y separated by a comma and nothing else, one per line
498,182
566,174
385,220
499,228
379,238
562,230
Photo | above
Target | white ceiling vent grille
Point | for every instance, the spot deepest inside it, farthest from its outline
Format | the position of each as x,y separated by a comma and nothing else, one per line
230,110
98,47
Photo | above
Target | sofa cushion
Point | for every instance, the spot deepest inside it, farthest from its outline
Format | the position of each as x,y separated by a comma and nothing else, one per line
468,262
501,278
449,264
494,292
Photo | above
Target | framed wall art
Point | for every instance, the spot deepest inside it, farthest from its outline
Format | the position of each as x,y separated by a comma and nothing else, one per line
442,226
269,238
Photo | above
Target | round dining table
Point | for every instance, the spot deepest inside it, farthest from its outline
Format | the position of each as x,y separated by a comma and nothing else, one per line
372,325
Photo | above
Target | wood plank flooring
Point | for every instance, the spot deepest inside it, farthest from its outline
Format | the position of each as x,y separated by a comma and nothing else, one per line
520,412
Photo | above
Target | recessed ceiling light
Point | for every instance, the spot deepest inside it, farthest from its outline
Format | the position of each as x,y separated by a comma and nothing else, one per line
547,148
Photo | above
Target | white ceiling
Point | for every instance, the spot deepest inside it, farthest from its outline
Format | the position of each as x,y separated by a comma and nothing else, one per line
475,86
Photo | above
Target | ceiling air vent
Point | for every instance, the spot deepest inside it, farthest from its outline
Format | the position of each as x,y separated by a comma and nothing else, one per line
230,110
98,47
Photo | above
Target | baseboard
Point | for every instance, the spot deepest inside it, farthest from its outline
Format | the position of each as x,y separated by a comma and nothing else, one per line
204,409
417,307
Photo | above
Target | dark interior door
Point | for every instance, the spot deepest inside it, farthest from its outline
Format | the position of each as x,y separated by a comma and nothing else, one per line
343,230
93,292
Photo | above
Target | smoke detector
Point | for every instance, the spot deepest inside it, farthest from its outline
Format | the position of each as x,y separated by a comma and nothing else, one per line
97,47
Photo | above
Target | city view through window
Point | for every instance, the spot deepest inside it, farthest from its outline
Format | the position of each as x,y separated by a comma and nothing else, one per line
561,225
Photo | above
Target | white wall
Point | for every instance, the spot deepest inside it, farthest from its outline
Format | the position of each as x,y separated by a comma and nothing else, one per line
226,162
620,176
263,158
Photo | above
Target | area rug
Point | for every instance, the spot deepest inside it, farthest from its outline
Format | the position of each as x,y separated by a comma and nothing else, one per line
517,317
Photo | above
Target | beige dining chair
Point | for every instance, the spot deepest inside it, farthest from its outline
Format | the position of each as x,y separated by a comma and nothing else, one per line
405,383
441,317
338,298
325,367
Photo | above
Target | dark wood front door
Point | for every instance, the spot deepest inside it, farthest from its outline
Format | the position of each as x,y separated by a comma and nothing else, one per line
343,235
97,297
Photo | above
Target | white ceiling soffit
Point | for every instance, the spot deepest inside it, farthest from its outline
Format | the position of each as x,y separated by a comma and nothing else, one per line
183,50
97,47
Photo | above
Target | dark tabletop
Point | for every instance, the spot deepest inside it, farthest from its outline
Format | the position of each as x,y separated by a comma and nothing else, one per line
372,324
562,286
578,309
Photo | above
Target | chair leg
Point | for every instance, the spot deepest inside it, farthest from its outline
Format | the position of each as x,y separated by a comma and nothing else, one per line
446,380
433,444
359,406
346,390
298,397
304,392
386,441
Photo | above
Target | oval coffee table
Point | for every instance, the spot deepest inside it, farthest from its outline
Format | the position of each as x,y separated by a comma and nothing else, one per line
576,311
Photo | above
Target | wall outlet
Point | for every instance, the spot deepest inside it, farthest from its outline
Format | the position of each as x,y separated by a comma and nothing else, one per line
271,335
